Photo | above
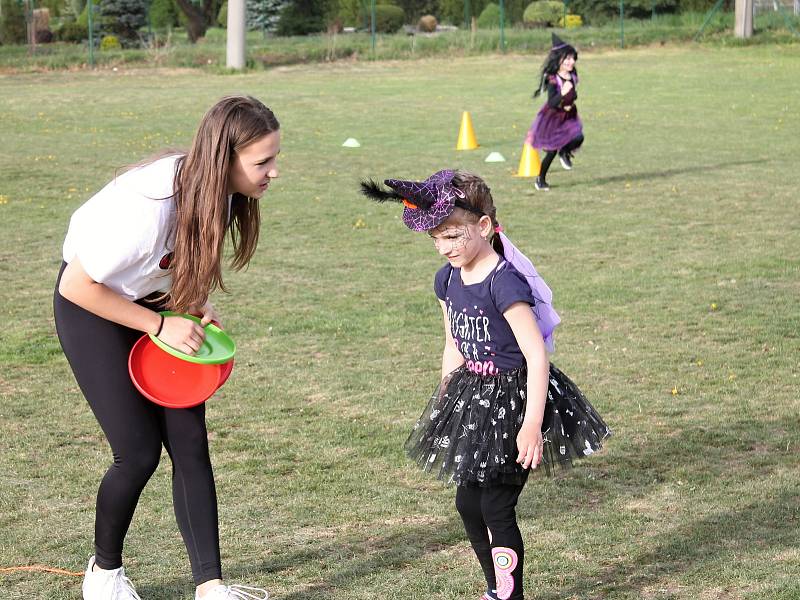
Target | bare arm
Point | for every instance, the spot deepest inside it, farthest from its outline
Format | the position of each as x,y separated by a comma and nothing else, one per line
77,287
451,357
530,341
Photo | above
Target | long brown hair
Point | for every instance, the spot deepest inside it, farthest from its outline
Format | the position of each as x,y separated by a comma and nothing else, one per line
201,192
478,195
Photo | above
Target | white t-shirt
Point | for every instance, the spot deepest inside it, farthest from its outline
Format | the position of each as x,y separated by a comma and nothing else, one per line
123,234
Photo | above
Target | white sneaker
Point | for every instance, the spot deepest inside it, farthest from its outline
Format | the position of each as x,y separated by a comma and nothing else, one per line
234,592
107,585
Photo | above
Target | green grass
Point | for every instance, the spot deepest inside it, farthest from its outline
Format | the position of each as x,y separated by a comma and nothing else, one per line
264,53
683,197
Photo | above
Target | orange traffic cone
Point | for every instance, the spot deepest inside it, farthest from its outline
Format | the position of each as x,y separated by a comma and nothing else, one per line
529,165
466,134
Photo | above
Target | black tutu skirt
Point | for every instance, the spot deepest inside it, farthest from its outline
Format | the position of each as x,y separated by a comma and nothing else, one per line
468,432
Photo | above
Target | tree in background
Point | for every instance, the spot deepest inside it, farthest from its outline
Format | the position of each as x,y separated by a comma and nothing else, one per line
264,14
123,18
414,9
199,16
301,17
13,29
163,14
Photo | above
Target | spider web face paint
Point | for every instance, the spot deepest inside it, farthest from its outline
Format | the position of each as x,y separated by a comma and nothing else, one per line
450,239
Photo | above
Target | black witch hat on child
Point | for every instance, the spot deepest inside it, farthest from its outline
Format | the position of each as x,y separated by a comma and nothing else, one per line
557,42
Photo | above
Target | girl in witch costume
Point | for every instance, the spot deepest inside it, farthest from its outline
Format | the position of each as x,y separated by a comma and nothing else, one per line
501,408
557,128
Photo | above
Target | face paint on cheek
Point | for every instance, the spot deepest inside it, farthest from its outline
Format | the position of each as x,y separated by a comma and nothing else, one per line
454,238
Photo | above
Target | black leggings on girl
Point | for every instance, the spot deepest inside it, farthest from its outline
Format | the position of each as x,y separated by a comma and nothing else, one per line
571,146
491,523
97,351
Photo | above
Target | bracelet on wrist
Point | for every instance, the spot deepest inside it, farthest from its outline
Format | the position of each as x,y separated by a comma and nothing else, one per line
160,326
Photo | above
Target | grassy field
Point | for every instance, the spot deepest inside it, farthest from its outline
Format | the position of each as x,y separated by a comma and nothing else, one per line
673,249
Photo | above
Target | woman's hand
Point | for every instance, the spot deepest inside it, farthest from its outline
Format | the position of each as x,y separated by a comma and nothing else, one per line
182,334
208,314
566,88
530,444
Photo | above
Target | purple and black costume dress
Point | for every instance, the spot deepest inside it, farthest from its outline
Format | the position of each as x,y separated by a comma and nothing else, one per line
554,126
467,433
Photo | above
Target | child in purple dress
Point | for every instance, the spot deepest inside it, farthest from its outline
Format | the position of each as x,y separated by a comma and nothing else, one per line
501,408
557,128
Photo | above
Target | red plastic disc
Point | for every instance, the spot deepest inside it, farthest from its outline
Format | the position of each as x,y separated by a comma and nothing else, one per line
170,381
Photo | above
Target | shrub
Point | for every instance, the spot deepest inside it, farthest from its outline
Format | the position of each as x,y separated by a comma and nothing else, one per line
301,18
388,18
110,42
123,18
263,14
13,29
163,14
543,13
427,23
83,18
598,12
571,21
490,17
44,36
222,15
73,32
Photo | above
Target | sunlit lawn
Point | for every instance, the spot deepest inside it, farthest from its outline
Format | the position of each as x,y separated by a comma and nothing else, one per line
673,249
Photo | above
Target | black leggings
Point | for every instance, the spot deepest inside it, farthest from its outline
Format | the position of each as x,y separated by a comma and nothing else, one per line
97,351
571,146
491,512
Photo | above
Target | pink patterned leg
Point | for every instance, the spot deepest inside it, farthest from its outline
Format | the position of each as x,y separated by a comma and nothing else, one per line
505,561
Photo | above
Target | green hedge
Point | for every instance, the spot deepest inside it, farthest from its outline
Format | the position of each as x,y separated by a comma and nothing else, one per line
543,13
489,17
13,29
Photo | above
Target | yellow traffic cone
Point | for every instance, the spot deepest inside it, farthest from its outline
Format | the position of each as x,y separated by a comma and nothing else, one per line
466,134
529,165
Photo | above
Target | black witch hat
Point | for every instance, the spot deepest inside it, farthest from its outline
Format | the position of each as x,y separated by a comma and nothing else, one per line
557,42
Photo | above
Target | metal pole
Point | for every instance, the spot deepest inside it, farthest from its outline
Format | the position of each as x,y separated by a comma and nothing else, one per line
786,18
89,11
236,35
621,23
372,27
502,27
709,16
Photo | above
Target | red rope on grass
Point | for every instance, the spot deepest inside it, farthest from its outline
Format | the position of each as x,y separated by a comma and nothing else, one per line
41,569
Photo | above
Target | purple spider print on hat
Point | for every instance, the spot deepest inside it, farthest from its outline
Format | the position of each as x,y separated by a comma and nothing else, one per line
427,203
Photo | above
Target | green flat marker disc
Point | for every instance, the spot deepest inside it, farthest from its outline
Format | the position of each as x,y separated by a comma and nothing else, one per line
217,348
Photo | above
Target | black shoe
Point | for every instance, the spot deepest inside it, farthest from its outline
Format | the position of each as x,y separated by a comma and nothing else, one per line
566,160
541,185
